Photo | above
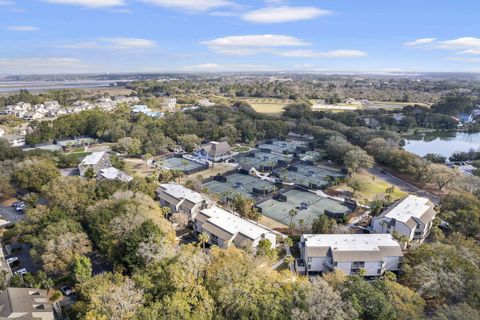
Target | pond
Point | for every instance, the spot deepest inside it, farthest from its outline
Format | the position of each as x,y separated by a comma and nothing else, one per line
444,143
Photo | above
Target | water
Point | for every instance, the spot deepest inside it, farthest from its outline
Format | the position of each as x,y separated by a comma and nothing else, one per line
38,86
444,143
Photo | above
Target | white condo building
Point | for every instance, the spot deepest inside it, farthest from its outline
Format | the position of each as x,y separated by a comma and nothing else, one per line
374,253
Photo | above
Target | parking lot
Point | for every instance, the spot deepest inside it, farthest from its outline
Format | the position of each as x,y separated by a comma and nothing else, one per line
10,215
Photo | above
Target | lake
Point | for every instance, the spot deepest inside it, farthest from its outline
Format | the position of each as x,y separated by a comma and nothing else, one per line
444,143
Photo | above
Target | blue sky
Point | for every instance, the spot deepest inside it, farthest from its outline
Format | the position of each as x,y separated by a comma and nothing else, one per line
72,36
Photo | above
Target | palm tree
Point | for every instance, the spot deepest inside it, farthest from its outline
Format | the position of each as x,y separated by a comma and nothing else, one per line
203,239
292,213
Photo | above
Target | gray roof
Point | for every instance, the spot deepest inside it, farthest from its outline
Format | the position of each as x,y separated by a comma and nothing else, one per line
33,303
215,149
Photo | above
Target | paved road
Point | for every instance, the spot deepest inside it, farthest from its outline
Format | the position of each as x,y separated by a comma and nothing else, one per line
9,214
404,185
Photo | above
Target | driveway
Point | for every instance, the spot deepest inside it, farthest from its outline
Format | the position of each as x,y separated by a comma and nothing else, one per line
404,185
9,214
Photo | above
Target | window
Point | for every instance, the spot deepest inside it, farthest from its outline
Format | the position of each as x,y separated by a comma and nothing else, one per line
379,271
356,266
214,239
380,264
335,264
309,259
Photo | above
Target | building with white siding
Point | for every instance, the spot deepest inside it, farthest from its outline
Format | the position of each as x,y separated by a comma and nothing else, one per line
374,253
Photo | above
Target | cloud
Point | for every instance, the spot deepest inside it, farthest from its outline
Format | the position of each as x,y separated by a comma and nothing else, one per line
22,28
6,3
114,43
90,3
420,42
463,45
283,14
192,5
342,53
214,67
251,44
41,65
464,59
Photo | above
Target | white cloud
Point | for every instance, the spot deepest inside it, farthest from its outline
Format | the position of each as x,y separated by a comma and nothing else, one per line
6,3
214,67
342,53
283,14
192,5
420,42
252,44
464,59
463,45
90,3
114,43
21,28
41,65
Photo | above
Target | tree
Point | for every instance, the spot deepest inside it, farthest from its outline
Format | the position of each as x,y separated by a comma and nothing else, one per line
264,249
82,269
34,174
357,183
188,141
461,311
357,158
323,225
203,238
292,214
441,175
90,173
131,146
322,302
337,148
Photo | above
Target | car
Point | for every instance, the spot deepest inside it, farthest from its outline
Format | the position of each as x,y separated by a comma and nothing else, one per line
17,203
21,207
12,260
66,290
21,271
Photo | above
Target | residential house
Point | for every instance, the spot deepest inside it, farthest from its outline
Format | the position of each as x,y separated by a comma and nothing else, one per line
25,304
411,217
180,199
96,161
214,151
226,229
170,104
146,111
374,253
77,142
15,140
466,117
113,174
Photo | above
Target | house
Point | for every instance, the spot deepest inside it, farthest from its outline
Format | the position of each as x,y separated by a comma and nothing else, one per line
374,253
15,140
466,117
205,103
96,161
411,217
226,229
25,304
77,142
170,104
214,151
180,199
113,174
146,111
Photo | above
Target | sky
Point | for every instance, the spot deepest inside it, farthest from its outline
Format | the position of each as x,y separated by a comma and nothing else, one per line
85,36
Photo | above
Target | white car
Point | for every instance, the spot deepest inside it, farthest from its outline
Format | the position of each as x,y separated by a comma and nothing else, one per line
21,271
12,260
21,207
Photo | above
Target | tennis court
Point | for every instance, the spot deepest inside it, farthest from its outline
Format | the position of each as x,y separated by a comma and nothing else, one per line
263,161
307,204
309,176
185,165
282,147
242,184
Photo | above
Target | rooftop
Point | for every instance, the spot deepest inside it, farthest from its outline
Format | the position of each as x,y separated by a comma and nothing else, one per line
233,224
180,192
350,242
115,174
94,158
411,206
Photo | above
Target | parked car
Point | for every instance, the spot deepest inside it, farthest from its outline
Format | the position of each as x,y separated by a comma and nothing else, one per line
17,203
21,207
21,271
66,290
12,260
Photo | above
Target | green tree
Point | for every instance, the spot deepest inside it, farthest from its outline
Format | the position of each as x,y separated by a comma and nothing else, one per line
323,225
82,269
34,174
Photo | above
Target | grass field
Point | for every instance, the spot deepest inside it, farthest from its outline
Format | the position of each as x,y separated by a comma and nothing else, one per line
268,105
375,187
